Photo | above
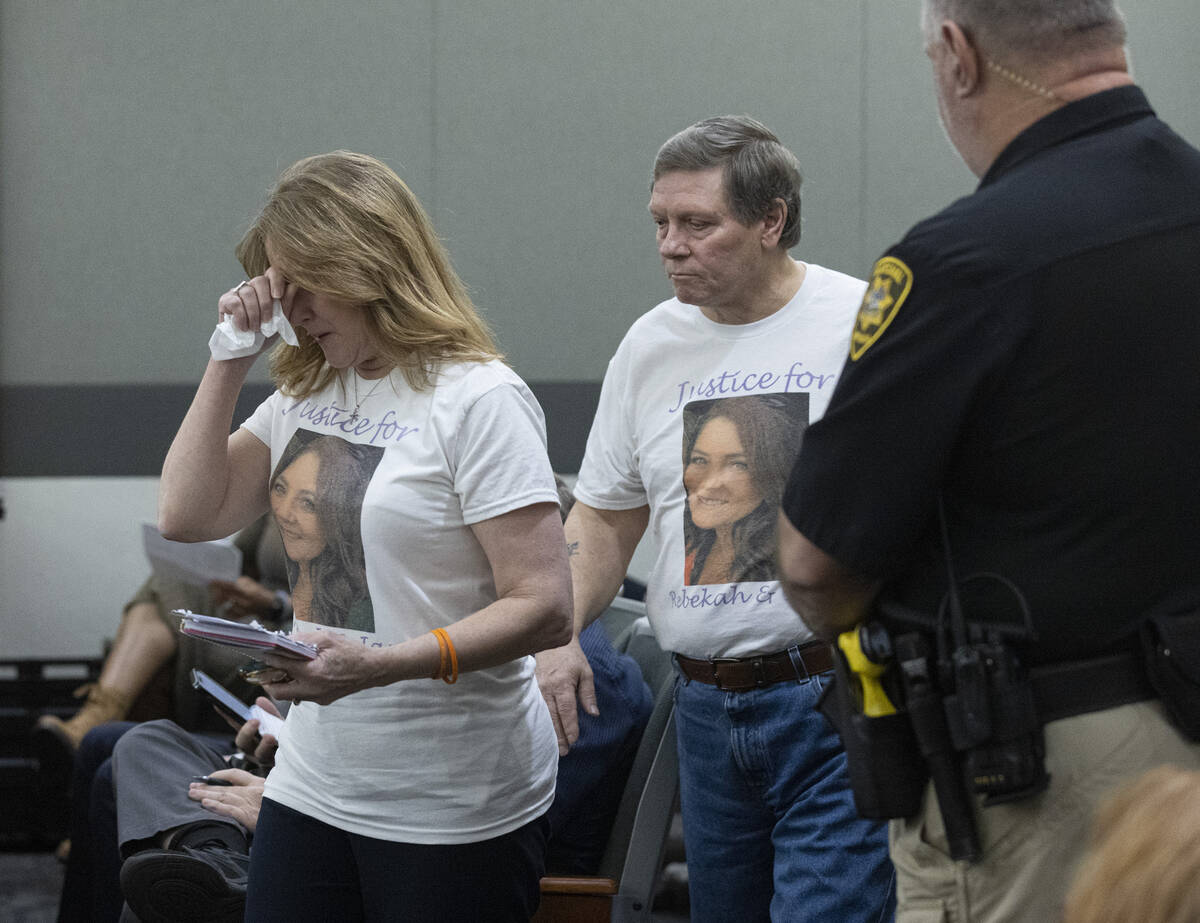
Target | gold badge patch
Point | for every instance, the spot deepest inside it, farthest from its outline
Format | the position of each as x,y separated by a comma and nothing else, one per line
890,284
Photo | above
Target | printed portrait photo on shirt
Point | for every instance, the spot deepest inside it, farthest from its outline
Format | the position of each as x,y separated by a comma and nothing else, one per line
737,454
316,499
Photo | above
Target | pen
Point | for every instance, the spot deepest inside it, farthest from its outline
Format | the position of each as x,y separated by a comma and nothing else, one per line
209,780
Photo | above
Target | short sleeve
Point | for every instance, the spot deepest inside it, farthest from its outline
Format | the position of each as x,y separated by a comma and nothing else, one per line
260,422
500,461
865,485
609,477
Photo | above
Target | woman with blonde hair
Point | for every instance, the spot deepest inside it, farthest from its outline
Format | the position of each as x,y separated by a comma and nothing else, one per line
1143,862
415,771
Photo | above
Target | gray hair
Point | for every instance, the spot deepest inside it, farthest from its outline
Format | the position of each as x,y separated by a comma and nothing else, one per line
1031,28
757,168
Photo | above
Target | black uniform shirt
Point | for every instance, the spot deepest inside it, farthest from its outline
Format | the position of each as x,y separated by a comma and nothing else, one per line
1033,352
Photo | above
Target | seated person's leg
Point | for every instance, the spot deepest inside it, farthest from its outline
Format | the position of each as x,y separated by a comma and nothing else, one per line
106,897
591,777
144,644
174,848
152,766
90,785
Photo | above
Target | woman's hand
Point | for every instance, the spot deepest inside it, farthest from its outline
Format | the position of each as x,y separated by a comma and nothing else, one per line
340,668
250,303
241,800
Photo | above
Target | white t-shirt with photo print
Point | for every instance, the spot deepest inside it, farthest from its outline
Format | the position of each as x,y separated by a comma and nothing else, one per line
675,365
425,761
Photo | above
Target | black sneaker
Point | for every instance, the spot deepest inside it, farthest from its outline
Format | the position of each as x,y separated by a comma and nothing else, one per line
205,884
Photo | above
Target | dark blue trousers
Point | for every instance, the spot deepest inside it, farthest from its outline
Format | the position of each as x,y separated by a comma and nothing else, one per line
303,869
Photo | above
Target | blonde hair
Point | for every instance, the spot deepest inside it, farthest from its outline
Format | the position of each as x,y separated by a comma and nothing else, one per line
1143,862
346,225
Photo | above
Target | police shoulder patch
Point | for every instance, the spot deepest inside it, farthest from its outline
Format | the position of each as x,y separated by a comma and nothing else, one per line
891,281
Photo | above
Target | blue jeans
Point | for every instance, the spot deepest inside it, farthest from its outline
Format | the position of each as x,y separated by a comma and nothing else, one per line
769,823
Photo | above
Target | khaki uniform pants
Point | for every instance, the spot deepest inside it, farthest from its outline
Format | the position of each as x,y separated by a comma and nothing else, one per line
1031,848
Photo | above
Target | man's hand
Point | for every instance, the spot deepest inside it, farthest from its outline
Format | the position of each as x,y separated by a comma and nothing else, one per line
244,599
565,678
240,800
262,748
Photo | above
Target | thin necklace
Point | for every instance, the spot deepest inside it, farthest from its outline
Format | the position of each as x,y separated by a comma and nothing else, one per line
357,402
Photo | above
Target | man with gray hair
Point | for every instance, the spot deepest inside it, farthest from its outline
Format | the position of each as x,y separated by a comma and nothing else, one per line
1022,378
699,420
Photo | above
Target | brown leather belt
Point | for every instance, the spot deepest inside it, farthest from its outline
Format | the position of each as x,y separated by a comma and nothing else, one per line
796,664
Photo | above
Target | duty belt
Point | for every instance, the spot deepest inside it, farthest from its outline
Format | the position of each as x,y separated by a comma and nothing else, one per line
1063,690
796,664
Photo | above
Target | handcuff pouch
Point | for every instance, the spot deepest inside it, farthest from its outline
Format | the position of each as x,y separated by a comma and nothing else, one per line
1171,646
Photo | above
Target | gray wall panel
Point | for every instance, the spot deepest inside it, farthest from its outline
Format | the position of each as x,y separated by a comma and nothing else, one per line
911,169
1162,47
550,114
137,139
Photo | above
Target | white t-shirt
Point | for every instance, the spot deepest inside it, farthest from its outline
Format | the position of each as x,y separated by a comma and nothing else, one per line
733,400
419,761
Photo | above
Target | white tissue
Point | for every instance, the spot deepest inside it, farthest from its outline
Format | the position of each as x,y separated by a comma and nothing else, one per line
227,342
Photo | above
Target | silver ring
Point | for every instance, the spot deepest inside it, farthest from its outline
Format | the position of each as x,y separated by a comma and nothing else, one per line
238,287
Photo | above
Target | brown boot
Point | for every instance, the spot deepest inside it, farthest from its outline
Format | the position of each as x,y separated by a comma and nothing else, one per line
103,704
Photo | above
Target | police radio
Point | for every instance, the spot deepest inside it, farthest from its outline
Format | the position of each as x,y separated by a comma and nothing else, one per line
988,698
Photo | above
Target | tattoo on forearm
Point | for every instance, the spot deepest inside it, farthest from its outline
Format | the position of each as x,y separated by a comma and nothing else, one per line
572,549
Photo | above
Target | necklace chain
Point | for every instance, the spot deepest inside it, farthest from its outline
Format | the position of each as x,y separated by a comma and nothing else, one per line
358,403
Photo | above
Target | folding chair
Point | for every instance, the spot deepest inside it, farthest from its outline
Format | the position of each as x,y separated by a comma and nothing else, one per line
623,888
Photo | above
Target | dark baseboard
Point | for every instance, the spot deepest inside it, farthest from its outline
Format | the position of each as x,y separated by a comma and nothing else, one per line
125,430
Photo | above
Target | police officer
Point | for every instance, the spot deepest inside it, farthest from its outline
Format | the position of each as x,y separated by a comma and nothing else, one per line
1027,357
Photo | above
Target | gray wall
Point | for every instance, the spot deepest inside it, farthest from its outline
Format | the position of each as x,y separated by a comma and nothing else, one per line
138,138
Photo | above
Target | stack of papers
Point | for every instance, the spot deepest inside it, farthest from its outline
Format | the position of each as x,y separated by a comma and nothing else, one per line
197,563
241,634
